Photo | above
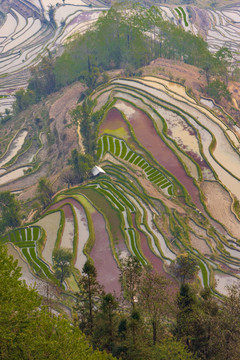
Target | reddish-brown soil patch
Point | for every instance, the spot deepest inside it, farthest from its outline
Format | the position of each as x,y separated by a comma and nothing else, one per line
107,269
65,207
113,121
156,262
106,265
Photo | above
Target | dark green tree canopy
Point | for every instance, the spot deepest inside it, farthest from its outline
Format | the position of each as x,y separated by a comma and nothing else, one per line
62,263
28,331
9,211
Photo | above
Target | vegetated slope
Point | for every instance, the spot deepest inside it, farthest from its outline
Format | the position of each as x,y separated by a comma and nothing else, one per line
38,143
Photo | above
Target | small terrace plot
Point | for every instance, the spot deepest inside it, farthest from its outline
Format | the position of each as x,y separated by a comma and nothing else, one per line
26,240
119,148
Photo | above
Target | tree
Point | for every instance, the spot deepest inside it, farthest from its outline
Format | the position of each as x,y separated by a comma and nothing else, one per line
88,298
81,165
51,13
9,211
218,90
153,300
170,349
27,330
67,177
82,115
130,276
186,300
185,267
43,80
226,339
105,332
224,57
62,263
44,191
24,98
198,323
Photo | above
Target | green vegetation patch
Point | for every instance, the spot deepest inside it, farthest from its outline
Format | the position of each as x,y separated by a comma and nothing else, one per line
184,16
111,213
117,146
112,144
121,196
113,199
124,150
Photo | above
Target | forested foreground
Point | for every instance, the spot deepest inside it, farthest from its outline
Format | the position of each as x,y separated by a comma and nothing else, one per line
127,38
151,323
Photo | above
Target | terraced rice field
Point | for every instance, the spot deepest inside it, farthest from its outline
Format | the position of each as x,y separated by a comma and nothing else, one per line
26,240
26,36
149,115
172,167
219,27
171,175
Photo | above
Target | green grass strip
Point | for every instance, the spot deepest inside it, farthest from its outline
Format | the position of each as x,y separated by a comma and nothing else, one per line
170,190
36,232
179,12
145,166
29,233
99,148
30,261
132,236
136,161
163,182
133,158
17,235
128,155
39,262
151,171
122,197
158,178
153,175
24,244
114,200
124,150
111,144
184,16
117,147
142,163
165,185
105,144
23,234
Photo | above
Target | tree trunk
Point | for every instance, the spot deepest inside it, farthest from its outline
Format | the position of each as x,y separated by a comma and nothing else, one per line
154,326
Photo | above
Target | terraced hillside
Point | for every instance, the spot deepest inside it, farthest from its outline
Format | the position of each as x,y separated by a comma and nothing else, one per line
219,27
172,165
27,34
171,185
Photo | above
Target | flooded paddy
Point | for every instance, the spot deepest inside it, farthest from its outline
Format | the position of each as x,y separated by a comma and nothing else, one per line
14,147
13,175
50,223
